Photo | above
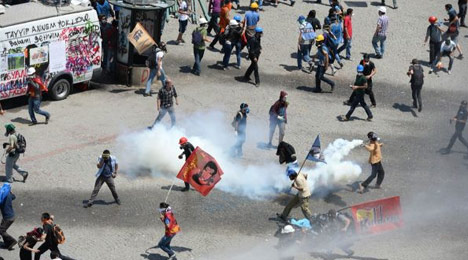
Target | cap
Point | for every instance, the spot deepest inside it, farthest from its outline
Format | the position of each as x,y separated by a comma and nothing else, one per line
202,20
382,9
301,18
9,127
254,5
287,229
233,23
31,71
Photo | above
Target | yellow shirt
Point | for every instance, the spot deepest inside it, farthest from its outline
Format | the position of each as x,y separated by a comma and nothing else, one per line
301,183
375,155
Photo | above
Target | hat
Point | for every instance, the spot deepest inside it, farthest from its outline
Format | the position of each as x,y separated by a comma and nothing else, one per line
9,128
233,23
301,18
31,71
202,20
287,229
382,9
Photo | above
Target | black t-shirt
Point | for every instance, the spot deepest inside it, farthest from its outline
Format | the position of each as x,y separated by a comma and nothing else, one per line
461,115
50,237
314,22
188,149
368,68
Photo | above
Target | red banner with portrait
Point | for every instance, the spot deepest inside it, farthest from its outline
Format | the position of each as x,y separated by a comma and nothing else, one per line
378,215
201,170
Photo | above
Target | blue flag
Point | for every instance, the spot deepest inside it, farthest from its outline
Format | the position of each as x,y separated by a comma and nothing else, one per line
315,152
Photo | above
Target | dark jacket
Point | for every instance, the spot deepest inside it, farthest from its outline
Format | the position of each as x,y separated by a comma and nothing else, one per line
255,47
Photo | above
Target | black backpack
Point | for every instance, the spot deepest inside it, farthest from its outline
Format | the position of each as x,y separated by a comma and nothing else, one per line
151,61
197,37
418,75
20,143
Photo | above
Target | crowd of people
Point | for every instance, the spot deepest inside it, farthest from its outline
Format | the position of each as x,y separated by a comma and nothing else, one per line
332,38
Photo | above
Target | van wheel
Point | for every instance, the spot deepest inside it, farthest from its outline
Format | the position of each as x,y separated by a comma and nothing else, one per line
60,89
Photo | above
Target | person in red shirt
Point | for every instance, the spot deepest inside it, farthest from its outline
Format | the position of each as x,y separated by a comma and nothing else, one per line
347,33
35,88
171,229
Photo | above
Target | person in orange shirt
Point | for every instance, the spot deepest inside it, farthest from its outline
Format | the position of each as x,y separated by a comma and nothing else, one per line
223,22
375,160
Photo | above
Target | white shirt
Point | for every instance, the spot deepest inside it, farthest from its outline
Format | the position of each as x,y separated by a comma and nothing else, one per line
183,7
449,48
159,56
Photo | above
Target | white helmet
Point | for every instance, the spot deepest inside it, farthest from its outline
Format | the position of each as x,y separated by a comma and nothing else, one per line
287,229
31,71
382,9
233,23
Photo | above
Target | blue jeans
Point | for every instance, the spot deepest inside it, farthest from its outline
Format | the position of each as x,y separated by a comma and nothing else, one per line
151,76
227,53
34,106
320,76
375,40
110,65
346,45
165,244
198,54
163,112
303,54
237,148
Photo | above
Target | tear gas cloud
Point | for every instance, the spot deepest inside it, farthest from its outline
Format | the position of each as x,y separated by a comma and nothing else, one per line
157,151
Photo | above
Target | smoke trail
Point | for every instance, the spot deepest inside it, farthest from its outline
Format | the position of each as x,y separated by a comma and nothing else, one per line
156,151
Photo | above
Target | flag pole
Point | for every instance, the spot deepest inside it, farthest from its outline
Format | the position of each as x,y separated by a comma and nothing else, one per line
303,163
167,196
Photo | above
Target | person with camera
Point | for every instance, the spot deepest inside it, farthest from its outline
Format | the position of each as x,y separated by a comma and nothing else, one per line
13,149
108,166
187,148
165,103
374,146
154,63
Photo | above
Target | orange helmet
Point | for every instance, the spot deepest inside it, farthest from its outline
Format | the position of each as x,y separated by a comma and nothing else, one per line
182,140
432,19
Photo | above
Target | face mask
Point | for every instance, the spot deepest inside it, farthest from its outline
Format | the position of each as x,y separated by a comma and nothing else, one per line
161,210
247,110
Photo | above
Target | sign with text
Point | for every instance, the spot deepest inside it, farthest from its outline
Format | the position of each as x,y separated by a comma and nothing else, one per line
378,215
140,38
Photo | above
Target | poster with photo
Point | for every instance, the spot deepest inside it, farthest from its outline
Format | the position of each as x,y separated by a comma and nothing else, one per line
38,55
15,61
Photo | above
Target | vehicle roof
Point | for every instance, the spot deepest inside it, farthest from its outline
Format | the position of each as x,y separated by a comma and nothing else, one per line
31,11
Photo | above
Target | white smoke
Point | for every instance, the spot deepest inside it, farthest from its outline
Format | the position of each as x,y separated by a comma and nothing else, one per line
156,152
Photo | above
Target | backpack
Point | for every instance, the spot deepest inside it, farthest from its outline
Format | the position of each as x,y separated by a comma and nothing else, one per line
58,234
234,121
418,75
21,143
197,37
151,61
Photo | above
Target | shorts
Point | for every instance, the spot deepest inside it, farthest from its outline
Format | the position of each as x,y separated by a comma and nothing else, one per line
183,26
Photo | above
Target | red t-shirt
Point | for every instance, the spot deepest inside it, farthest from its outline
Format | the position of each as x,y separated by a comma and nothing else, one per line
348,25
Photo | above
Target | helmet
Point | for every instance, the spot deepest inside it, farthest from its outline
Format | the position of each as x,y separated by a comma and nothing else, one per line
360,68
182,140
291,171
258,29
319,38
233,23
243,105
372,136
202,20
383,10
301,18
287,229
238,18
432,19
254,5
464,103
31,71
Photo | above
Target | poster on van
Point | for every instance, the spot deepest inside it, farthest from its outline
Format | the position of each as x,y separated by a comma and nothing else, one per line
15,61
38,55
58,60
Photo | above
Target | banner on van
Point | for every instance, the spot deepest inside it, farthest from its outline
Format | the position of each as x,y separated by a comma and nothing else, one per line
38,55
140,38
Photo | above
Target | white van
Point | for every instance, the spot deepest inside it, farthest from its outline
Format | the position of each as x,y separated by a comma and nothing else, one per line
62,43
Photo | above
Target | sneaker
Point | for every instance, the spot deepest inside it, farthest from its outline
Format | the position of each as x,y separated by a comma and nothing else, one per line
182,40
431,70
344,118
349,252
333,70
12,245
361,188
47,120
369,119
341,65
292,3
172,257
373,106
332,88
449,72
25,177
118,202
257,84
237,67
32,123
88,205
460,56
225,68
445,151
280,216
420,109
185,189
378,56
377,187
346,103
316,90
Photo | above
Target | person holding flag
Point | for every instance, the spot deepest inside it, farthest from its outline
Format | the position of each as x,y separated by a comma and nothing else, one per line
187,148
301,198
171,229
